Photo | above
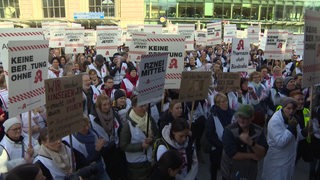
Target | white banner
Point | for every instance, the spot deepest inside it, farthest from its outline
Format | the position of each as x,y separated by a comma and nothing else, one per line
214,33
138,46
152,69
57,38
288,53
187,30
174,45
276,41
298,44
230,31
6,25
90,37
311,63
74,43
16,34
240,55
108,40
253,33
27,71
201,37
153,28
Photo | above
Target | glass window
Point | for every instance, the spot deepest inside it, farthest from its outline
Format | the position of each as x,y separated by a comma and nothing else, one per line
279,12
106,6
172,10
53,9
9,9
236,14
266,13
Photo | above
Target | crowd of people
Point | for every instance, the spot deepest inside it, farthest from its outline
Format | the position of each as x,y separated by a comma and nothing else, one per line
257,131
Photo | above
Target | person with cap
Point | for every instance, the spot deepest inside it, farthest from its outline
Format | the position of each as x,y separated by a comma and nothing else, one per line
282,137
244,143
130,81
118,70
16,145
99,66
121,104
288,86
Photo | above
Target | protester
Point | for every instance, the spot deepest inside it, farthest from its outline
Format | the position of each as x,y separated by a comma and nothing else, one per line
25,171
55,70
220,116
176,136
121,104
136,139
107,87
283,135
244,144
130,81
16,145
175,111
99,66
168,166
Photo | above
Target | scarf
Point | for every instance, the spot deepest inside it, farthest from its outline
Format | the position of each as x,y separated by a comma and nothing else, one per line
55,71
141,121
106,120
60,159
225,117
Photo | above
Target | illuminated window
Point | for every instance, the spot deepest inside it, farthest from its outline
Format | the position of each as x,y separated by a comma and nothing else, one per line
54,9
9,9
106,6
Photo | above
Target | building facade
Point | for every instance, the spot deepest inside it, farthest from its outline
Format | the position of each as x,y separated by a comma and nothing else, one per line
283,14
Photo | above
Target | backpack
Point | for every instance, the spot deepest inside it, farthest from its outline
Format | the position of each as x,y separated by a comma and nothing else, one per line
156,145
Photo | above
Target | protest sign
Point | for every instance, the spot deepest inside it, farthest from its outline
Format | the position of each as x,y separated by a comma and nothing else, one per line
253,34
187,30
201,38
57,38
6,25
214,33
138,46
194,85
152,69
64,106
288,52
153,28
311,63
174,46
28,69
89,37
275,46
230,31
228,81
74,40
108,39
240,55
298,44
16,34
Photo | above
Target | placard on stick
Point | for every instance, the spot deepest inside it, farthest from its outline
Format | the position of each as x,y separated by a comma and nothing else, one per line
64,106
194,85
228,81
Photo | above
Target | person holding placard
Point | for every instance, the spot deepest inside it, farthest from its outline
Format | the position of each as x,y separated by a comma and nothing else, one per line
129,83
16,145
136,139
54,70
106,123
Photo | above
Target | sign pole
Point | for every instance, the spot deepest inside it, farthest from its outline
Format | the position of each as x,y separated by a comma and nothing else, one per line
30,128
191,114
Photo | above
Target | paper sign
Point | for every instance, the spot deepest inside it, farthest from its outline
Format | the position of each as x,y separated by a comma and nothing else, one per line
64,106
214,33
240,55
74,40
174,46
194,85
138,46
152,70
228,81
230,31
187,30
28,69
108,40
276,41
311,63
